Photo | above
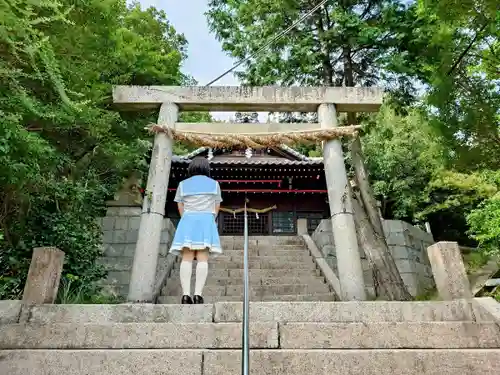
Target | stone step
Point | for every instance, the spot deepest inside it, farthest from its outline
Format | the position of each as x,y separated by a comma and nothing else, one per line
274,263
366,311
224,281
277,272
238,258
374,335
257,248
121,313
101,362
268,252
255,273
125,264
294,297
298,257
262,361
136,336
208,290
356,362
321,312
212,281
263,240
280,289
393,335
307,280
255,290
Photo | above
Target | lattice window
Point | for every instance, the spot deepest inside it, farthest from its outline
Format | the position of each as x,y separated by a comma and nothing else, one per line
284,222
234,224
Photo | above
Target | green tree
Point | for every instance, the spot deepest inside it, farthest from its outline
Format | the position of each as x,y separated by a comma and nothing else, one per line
63,148
458,204
484,222
402,155
452,49
343,43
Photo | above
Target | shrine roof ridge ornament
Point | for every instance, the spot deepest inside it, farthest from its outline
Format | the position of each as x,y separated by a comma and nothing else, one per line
246,98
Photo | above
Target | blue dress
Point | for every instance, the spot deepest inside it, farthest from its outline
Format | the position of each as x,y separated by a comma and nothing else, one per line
197,229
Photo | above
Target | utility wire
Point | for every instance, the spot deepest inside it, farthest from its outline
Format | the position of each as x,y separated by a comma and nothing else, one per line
271,41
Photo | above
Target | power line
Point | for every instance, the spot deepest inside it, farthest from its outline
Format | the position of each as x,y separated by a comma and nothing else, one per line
271,41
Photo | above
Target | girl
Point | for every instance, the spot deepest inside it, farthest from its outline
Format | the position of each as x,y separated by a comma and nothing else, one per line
198,198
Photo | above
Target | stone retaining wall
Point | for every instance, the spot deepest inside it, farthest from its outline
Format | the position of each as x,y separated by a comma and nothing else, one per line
120,229
409,248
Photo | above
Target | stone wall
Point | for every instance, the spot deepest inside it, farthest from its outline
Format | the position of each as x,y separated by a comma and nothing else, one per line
120,229
409,248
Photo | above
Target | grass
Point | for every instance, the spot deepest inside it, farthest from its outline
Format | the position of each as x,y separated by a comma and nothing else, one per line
71,294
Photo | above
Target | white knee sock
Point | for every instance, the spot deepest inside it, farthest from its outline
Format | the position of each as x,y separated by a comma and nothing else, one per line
201,277
185,275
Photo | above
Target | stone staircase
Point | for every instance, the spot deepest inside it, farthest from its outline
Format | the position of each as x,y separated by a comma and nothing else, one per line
281,268
292,338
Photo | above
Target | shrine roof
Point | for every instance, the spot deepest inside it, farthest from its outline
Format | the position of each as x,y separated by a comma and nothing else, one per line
300,159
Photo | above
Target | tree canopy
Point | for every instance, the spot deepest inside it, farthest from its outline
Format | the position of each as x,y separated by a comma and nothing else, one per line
63,148
439,62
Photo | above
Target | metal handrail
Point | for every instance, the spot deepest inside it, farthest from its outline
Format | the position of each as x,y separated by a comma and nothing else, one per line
245,347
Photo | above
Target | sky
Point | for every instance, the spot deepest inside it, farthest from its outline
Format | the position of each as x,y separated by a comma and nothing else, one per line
206,60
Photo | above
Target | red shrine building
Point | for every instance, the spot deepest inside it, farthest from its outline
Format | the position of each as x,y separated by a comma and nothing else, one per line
281,186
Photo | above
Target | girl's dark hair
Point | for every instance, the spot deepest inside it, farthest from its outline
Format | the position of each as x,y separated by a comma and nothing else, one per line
199,166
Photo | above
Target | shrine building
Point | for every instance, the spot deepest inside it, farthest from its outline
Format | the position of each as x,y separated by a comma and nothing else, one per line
281,186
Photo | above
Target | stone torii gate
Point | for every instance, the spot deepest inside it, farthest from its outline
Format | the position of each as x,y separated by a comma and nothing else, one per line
327,101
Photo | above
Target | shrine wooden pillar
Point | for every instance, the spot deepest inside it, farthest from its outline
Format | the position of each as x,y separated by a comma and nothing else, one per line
142,279
350,270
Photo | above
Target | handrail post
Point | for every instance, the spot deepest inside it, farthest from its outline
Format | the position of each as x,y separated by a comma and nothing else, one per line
245,367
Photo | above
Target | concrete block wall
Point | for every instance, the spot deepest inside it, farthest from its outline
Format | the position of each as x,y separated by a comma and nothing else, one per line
409,248
120,228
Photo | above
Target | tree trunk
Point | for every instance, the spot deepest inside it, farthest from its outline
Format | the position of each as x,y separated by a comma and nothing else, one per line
365,189
387,276
371,237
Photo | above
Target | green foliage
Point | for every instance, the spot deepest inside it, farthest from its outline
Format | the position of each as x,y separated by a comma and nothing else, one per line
484,222
475,260
456,57
313,51
423,164
402,154
451,196
73,291
63,149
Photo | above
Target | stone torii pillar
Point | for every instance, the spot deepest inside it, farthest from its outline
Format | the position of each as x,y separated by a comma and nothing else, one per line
350,270
142,279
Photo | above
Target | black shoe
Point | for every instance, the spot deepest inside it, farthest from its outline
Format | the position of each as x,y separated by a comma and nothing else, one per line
198,300
186,300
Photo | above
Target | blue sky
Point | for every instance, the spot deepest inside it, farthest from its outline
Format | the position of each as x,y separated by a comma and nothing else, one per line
206,60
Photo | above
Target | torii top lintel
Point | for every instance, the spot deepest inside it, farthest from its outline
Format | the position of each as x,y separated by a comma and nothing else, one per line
242,98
